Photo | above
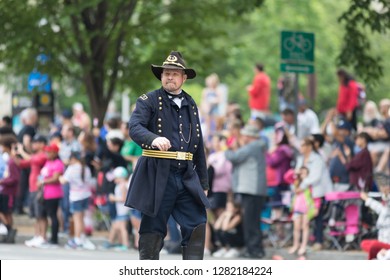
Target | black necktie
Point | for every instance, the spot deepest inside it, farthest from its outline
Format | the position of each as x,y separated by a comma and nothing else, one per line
180,95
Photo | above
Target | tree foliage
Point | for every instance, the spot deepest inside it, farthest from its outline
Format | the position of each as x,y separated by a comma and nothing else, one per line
108,44
261,43
258,40
361,18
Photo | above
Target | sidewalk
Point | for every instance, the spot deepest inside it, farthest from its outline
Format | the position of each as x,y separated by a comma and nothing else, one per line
25,231
25,227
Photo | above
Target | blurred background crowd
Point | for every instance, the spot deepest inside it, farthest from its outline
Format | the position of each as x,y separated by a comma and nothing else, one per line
273,175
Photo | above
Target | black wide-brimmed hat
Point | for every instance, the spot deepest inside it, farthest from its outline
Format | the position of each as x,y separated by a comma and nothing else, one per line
174,61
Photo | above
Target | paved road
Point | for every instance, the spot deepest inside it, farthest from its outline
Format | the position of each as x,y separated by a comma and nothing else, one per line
19,251
24,225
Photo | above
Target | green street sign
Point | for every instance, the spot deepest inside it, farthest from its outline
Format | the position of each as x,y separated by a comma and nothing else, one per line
297,47
297,68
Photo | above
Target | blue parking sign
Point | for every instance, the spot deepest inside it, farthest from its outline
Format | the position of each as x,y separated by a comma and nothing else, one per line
39,82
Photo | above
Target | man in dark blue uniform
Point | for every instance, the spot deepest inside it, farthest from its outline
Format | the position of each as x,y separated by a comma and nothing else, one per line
171,176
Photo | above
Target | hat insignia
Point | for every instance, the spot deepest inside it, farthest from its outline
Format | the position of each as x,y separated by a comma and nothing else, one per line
171,58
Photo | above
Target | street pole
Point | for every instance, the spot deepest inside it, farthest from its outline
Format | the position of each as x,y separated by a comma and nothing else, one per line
125,107
296,101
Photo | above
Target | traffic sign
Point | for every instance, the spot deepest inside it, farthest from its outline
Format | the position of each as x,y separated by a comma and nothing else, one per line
297,68
38,81
297,47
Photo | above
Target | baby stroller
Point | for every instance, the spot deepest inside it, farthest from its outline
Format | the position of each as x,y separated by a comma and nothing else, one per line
343,226
278,228
100,199
102,216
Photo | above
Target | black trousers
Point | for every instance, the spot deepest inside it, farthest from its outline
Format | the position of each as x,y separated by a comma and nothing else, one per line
319,223
22,196
229,239
179,203
251,209
50,209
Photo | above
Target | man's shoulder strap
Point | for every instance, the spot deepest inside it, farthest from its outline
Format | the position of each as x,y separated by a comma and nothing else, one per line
149,96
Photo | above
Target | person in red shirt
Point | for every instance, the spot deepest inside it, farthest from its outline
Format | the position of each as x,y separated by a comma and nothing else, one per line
259,93
34,161
347,101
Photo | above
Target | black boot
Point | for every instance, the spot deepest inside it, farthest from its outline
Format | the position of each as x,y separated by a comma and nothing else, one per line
149,246
195,247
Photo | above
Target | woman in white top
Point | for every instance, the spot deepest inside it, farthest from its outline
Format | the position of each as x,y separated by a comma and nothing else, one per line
319,179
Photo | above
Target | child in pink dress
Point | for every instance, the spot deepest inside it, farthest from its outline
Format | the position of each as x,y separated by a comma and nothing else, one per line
303,211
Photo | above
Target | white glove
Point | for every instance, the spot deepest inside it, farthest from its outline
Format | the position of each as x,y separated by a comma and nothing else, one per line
162,143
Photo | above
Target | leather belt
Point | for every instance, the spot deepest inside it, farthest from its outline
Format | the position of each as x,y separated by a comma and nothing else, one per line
167,154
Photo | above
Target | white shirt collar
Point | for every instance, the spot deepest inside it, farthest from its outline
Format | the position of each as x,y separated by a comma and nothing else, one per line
177,100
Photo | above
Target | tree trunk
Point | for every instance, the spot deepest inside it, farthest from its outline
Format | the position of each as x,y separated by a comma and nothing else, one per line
96,98
99,111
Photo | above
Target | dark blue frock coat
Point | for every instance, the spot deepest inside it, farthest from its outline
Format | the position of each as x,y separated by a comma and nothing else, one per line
152,119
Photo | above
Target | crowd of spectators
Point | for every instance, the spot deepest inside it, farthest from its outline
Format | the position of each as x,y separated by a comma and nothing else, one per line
342,153
66,177
81,168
